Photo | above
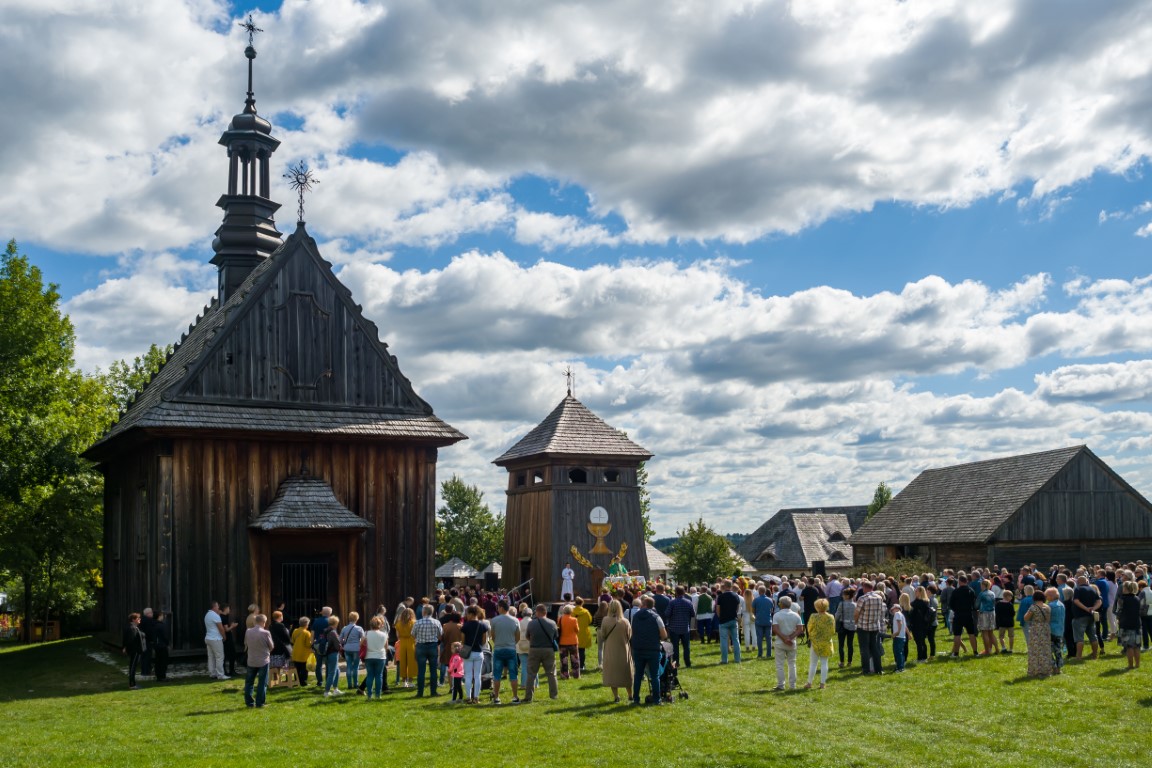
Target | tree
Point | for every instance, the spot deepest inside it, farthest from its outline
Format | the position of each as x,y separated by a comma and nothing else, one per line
701,555
880,499
645,502
126,380
50,514
465,527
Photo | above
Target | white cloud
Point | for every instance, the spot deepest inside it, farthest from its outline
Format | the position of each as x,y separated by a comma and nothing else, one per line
1099,382
728,120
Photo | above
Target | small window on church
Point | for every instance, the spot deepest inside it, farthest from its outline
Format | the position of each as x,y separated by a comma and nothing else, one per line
577,476
611,475
837,556
836,536
521,479
537,477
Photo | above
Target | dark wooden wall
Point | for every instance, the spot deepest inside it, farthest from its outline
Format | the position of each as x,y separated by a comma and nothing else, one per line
301,342
202,549
543,521
1083,502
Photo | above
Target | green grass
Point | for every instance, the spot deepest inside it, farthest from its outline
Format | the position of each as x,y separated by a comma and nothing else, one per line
61,707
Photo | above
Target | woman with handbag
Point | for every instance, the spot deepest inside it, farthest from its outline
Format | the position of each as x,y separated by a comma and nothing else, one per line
474,632
614,637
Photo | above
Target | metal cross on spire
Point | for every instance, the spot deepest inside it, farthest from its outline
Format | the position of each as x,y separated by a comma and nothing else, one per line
251,28
571,377
300,178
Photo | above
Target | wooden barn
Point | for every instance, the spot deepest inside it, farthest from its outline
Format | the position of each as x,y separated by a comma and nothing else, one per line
279,455
571,485
1064,506
797,540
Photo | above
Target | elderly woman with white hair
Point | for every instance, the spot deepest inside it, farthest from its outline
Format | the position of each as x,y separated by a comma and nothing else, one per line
787,626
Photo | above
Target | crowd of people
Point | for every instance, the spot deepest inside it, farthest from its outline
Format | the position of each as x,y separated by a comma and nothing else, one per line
441,641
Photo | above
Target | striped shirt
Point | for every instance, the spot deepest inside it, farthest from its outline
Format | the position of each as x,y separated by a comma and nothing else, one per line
427,630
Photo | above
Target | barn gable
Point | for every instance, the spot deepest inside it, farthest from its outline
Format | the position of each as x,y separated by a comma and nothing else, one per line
1085,500
965,503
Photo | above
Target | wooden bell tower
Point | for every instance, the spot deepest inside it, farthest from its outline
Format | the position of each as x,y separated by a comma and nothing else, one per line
571,486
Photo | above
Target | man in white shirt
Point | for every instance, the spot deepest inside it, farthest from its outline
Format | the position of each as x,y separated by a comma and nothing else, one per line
566,577
214,640
787,625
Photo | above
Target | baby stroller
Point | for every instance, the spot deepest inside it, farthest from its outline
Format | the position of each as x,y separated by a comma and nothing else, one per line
669,676
486,671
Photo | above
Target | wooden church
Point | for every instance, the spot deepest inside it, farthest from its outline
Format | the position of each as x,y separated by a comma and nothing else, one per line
279,456
572,497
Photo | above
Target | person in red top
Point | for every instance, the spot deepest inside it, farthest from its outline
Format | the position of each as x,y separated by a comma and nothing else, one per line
569,644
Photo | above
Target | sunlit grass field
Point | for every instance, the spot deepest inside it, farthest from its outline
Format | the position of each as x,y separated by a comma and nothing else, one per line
67,703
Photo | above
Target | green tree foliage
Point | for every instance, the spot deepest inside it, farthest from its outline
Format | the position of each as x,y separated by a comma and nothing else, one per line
50,516
126,380
701,555
645,502
465,527
880,499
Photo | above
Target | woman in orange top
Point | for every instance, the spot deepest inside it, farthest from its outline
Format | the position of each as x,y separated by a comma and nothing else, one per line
569,644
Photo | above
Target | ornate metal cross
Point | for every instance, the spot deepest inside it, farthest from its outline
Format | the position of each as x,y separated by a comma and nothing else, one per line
571,377
301,179
251,28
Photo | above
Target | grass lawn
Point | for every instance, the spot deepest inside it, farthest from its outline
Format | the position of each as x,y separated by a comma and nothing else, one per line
62,706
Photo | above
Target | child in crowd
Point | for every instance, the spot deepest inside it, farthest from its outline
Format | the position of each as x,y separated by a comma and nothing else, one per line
1006,620
456,670
899,634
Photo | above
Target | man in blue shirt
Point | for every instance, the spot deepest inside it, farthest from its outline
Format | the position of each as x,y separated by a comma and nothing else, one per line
647,633
661,600
763,608
679,615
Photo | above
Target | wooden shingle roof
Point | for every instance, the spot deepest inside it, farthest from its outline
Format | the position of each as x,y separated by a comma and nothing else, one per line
573,430
793,539
170,400
965,503
306,503
657,560
455,569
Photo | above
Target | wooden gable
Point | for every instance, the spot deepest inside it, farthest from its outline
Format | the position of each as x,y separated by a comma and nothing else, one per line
298,340
1084,501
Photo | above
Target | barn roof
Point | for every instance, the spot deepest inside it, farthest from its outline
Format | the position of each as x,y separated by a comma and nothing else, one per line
455,569
793,539
573,430
305,503
494,567
965,503
657,560
163,403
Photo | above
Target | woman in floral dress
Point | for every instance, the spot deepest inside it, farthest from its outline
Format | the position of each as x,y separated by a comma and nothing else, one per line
1037,620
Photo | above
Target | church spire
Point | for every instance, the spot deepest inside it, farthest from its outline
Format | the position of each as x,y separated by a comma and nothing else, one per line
248,233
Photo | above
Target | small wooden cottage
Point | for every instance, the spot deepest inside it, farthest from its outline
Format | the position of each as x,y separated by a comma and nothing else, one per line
279,456
572,497
1064,506
794,540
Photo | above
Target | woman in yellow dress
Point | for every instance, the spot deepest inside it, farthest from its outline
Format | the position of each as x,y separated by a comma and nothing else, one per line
584,633
406,648
821,630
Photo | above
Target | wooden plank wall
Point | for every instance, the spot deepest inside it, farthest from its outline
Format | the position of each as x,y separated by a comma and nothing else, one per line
1083,502
293,333
544,520
219,486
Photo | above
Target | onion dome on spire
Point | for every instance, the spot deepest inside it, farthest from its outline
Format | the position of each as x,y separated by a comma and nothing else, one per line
248,233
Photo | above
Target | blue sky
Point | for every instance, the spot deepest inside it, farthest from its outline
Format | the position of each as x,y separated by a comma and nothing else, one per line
794,250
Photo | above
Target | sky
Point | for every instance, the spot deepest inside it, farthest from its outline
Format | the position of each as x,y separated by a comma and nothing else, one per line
794,249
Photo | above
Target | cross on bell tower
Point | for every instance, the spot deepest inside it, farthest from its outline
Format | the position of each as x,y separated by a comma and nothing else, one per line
248,233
